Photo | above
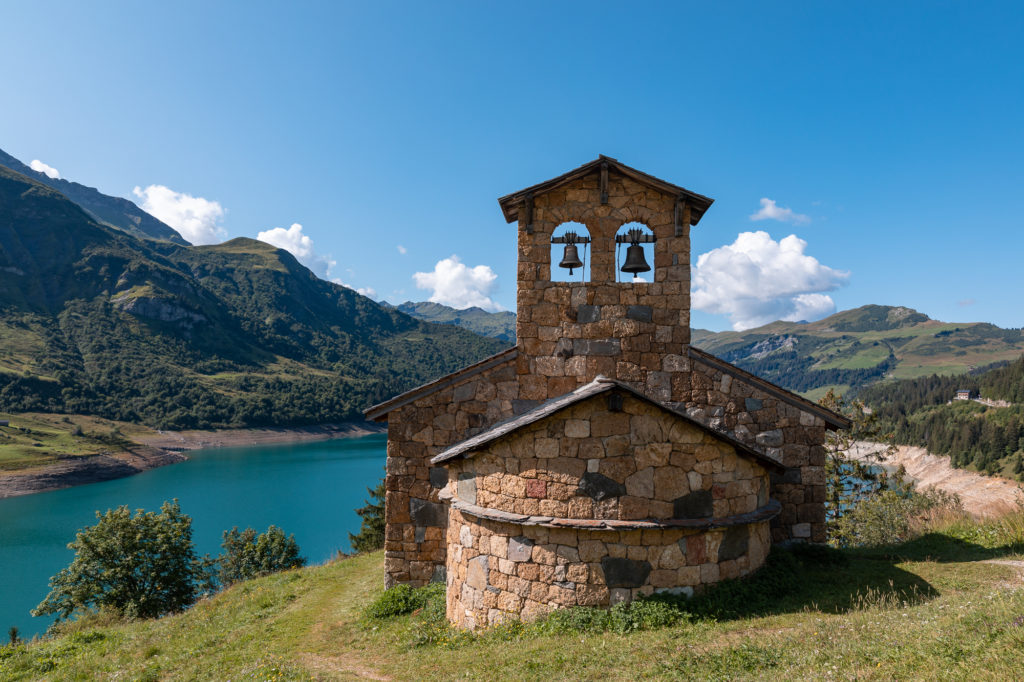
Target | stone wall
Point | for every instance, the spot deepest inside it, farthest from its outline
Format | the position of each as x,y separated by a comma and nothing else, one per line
630,463
414,547
498,570
793,436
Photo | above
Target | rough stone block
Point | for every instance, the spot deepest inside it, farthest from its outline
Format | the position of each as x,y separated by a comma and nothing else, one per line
520,548
734,543
586,314
753,404
600,487
476,573
466,488
438,477
424,513
694,505
625,572
640,313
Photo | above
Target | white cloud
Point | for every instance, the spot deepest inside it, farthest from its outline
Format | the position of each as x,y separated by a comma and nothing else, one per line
40,167
195,218
757,280
300,246
402,250
453,284
771,211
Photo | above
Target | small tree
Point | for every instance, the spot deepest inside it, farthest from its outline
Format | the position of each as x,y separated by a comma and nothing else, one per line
850,479
247,555
371,531
140,565
12,633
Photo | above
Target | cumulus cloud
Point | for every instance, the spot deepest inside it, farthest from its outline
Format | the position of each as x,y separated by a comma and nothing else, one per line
402,250
757,280
300,245
771,211
454,284
195,218
40,167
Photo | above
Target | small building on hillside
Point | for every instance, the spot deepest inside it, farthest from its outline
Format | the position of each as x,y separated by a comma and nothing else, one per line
963,394
602,457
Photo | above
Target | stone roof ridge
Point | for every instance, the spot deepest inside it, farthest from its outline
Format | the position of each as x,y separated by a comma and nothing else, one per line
600,384
699,203
379,412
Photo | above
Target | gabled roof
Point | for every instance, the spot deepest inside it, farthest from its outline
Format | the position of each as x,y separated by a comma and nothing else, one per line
598,386
831,418
379,412
698,203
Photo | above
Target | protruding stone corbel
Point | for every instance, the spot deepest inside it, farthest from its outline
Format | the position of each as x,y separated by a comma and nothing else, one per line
528,213
604,182
681,216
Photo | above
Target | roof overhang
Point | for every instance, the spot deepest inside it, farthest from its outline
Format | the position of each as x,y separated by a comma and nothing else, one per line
698,203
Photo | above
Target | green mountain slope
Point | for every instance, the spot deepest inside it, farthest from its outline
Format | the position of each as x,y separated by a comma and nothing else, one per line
95,321
500,325
856,347
985,436
115,212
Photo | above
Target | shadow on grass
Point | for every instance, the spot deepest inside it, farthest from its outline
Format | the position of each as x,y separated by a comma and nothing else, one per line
942,548
836,581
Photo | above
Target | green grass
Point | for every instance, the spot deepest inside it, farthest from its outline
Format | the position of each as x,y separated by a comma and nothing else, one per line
35,439
930,609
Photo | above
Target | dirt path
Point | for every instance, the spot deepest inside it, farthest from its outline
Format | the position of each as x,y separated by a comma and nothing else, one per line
159,449
981,495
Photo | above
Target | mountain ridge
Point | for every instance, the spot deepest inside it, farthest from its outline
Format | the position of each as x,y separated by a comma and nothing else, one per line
117,212
96,321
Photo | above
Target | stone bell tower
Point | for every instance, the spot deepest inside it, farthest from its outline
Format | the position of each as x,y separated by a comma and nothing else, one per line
636,332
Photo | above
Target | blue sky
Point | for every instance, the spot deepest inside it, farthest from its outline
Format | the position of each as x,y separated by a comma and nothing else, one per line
893,133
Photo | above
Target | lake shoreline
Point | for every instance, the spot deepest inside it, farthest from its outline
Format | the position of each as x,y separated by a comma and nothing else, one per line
162,448
982,496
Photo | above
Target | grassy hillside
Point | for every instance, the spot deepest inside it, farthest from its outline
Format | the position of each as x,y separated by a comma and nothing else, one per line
97,322
858,347
500,325
115,212
941,607
33,439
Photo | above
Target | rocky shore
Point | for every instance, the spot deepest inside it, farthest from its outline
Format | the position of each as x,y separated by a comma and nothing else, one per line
981,495
161,448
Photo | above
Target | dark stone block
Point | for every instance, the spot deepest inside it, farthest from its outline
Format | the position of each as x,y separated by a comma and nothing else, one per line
735,543
753,404
521,406
792,475
620,572
563,349
438,477
600,487
596,347
588,313
426,513
641,313
696,505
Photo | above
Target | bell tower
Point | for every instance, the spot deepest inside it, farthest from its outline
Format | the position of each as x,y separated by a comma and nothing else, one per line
634,331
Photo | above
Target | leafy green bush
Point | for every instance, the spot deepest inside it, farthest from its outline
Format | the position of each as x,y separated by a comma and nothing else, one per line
247,555
889,517
402,599
141,565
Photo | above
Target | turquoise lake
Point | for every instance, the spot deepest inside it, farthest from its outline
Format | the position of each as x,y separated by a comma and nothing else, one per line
309,489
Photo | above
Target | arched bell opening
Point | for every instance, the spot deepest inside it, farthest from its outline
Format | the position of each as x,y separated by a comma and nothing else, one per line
634,253
570,253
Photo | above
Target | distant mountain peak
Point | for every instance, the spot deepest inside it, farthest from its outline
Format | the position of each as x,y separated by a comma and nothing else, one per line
498,325
116,212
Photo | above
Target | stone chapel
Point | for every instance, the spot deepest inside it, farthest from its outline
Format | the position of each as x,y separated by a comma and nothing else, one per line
603,457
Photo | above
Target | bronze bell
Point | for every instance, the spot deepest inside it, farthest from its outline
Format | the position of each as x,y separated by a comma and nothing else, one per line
635,261
571,258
